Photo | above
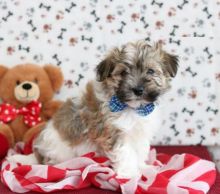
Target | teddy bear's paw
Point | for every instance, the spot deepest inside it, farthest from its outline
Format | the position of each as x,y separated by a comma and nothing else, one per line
23,159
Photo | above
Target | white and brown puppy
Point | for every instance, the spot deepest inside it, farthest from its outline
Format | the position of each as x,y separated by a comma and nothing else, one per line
116,115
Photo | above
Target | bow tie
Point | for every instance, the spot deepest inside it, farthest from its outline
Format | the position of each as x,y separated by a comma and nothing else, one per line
30,112
116,105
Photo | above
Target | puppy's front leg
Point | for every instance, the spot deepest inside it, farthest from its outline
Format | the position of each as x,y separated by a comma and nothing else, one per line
118,147
124,160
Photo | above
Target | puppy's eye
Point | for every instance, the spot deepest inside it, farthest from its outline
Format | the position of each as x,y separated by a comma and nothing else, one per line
36,80
127,64
18,82
150,71
123,73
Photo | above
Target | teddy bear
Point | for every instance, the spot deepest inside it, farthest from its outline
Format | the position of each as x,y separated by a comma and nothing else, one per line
26,92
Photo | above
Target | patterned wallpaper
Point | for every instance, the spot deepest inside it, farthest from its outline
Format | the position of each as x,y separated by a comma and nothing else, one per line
76,34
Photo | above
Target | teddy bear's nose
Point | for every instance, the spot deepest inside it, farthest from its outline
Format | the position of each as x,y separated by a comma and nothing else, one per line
27,86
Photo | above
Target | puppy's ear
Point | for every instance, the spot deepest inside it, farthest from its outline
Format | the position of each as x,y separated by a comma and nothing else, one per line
170,63
3,70
104,69
55,75
107,66
158,46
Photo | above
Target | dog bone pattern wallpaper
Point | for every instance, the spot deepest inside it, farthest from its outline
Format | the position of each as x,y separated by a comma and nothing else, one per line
75,35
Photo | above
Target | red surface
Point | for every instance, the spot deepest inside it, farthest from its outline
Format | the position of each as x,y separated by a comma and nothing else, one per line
3,145
196,150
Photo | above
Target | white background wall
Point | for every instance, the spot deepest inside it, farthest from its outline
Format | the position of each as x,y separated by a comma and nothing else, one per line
76,34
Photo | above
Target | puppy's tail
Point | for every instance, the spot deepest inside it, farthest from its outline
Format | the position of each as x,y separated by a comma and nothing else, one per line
23,159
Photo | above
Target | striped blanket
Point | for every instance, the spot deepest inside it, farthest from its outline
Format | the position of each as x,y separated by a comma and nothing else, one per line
164,174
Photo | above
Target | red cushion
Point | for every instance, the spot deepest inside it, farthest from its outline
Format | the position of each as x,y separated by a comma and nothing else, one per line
196,150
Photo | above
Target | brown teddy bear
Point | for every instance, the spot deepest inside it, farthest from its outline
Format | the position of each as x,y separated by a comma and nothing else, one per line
26,92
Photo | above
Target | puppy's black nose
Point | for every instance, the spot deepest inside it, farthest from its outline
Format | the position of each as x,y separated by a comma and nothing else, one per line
27,86
138,91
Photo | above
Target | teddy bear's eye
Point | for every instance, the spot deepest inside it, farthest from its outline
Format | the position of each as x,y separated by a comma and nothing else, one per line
18,82
36,80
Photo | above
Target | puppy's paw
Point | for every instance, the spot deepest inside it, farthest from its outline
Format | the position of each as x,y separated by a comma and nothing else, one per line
23,159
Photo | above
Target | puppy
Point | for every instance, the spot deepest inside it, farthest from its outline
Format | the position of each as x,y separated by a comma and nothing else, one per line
116,116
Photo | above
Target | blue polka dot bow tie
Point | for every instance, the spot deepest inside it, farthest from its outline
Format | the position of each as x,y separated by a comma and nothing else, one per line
116,105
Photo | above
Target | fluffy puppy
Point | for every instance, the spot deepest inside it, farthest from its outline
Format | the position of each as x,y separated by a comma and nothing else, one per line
116,115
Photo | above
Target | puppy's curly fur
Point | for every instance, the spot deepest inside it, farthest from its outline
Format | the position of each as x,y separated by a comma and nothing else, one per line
86,124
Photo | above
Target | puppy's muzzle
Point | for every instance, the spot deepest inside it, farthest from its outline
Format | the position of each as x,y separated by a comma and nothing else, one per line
153,95
138,91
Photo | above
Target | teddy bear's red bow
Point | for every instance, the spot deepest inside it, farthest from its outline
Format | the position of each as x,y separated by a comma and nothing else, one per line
30,112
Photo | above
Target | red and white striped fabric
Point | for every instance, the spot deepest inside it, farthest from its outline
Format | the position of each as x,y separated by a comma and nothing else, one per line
178,174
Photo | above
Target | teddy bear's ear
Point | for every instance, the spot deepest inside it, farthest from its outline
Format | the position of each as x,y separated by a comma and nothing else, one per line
3,70
55,75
